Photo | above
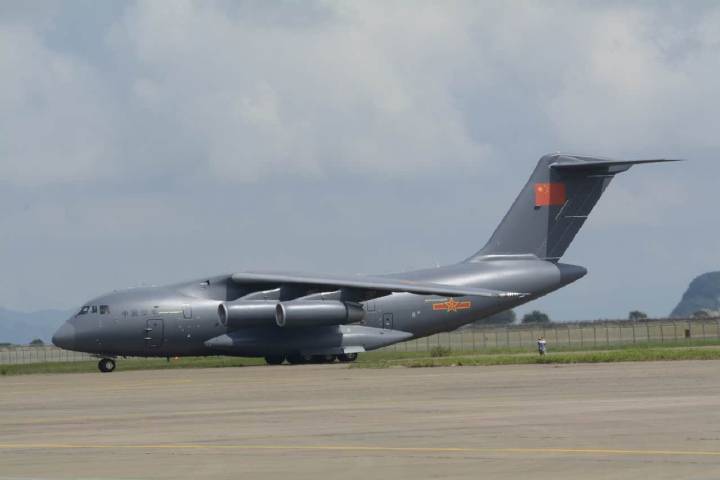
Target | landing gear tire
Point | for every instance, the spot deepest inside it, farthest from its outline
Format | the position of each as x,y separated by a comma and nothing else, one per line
106,365
298,359
275,359
323,358
347,357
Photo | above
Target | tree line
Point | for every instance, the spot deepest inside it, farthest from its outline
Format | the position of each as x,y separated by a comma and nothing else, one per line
508,317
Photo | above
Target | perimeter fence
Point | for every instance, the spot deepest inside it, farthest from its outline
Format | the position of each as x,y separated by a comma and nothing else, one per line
487,337
14,355
570,335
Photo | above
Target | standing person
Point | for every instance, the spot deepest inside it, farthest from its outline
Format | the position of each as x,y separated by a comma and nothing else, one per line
541,346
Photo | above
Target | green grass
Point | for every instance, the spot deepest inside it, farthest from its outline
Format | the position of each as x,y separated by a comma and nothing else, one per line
131,364
400,348
436,357
627,354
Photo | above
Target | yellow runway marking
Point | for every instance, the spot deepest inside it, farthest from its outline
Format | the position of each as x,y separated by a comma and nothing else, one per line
357,448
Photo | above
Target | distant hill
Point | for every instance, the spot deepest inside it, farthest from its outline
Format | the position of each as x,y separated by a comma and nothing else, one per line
702,294
22,327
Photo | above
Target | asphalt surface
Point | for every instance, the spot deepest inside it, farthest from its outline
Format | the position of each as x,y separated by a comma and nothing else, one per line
635,420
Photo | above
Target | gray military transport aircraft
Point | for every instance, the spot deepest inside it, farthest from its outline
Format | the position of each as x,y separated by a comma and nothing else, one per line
302,318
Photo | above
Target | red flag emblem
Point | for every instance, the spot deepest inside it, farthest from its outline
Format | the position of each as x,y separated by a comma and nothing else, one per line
547,194
452,305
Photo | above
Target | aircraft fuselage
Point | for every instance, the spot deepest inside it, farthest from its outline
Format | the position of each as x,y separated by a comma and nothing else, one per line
297,316
182,319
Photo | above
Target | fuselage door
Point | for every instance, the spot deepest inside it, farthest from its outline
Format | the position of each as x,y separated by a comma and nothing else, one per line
187,311
154,333
387,321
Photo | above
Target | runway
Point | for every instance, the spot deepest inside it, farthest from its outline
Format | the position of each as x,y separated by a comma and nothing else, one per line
300,422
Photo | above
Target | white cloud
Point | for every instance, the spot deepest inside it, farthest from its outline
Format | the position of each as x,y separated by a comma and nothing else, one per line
243,91
117,126
54,120
626,93
366,90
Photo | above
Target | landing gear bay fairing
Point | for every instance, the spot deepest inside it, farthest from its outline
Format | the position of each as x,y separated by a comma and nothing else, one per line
302,318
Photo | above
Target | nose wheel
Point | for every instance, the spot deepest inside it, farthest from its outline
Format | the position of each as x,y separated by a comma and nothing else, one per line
106,365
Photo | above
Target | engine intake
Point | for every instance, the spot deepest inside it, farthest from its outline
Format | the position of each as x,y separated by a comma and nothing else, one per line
313,313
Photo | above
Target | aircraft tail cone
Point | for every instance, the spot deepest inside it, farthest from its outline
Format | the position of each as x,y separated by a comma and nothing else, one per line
570,273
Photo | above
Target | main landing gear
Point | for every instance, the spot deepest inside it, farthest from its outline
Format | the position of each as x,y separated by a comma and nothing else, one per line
275,359
297,359
106,365
347,357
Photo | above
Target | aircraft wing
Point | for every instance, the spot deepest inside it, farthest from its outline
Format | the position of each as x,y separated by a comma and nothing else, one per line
363,286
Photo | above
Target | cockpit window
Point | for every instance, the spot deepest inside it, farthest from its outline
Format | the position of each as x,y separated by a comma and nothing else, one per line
84,310
93,309
104,309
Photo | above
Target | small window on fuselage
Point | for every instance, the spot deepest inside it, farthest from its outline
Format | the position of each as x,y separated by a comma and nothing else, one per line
84,310
93,309
104,309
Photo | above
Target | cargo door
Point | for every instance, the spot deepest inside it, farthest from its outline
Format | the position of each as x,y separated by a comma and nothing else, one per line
154,333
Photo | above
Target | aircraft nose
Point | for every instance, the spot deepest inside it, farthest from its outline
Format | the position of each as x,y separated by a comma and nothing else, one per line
64,337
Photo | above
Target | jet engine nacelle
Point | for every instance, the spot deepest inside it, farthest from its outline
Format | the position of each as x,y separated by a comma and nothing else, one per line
247,314
313,313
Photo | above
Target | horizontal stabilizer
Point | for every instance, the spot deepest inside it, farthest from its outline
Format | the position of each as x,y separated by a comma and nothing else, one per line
576,163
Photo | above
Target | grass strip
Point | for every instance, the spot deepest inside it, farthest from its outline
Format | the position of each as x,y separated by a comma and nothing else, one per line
624,355
130,364
389,358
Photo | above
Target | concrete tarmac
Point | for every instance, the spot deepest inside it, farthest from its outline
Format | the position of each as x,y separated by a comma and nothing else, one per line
593,421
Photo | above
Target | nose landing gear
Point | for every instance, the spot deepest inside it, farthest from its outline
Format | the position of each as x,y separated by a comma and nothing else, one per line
106,365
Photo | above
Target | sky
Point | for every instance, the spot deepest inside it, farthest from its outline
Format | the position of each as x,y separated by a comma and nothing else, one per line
151,142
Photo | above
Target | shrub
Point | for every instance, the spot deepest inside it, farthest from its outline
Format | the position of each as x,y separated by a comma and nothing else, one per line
439,351
536,316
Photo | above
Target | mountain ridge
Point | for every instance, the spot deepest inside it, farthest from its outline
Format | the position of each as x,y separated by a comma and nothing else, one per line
703,294
22,327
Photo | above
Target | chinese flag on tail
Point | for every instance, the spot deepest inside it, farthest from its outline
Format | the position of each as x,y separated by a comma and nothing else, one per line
547,194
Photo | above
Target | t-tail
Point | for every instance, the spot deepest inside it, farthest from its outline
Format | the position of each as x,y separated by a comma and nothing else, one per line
554,205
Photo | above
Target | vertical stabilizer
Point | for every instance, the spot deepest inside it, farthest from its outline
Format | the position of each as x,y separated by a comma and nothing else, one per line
553,205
